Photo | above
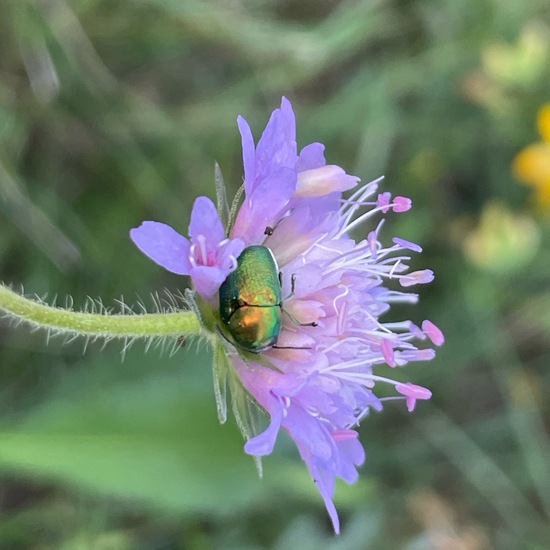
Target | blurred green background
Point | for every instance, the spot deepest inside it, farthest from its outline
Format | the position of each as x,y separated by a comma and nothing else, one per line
114,111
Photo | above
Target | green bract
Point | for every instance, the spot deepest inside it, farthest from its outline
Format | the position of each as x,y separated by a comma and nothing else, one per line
250,300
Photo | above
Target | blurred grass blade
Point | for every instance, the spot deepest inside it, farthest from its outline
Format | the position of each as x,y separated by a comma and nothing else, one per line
151,440
485,476
32,221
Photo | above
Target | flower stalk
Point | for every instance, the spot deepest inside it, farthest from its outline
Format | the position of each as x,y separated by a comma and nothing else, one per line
99,325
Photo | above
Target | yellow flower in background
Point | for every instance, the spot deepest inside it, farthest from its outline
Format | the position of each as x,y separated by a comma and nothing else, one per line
503,241
532,164
509,71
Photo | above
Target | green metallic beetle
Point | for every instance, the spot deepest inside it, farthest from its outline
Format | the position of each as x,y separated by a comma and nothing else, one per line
251,304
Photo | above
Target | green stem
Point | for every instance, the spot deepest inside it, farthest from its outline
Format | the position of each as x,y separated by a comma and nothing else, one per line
103,325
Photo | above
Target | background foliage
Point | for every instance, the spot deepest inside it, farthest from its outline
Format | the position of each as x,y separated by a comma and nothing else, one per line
113,111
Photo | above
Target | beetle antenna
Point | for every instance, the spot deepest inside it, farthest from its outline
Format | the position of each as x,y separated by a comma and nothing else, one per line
269,230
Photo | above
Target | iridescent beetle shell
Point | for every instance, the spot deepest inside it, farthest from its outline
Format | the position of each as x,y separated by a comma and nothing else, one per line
250,300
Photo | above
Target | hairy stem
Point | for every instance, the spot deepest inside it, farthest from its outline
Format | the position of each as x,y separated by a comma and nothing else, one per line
101,325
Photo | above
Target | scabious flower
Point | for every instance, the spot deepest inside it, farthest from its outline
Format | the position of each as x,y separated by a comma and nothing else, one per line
319,381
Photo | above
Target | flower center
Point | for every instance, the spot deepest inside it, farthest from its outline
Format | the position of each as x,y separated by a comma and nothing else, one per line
200,253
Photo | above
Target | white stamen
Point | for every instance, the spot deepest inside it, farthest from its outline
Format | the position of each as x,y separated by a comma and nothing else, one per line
192,255
342,318
394,268
203,252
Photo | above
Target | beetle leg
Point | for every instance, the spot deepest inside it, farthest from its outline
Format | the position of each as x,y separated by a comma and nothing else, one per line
292,284
224,336
296,322
288,347
292,289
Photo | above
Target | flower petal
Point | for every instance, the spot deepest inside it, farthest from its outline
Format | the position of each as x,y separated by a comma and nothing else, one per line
163,245
318,182
319,451
263,443
352,454
263,208
325,485
295,234
278,141
270,174
205,220
249,155
208,279
228,253
311,156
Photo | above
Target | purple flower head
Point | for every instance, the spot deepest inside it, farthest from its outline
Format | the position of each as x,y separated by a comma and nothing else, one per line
323,379
333,351
208,257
